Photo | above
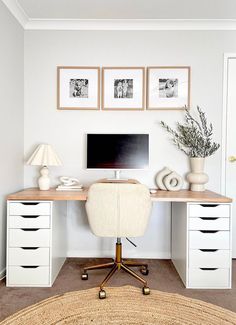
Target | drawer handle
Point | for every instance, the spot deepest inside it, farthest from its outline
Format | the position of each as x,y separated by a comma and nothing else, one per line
208,268
29,216
209,231
30,266
208,218
30,229
30,248
30,203
208,250
209,205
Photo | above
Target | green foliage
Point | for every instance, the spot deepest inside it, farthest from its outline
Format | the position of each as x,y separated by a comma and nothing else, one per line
194,137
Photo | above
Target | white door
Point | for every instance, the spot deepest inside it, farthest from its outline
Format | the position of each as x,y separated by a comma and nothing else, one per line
230,152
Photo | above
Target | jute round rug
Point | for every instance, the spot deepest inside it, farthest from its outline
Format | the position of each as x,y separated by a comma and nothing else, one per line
123,305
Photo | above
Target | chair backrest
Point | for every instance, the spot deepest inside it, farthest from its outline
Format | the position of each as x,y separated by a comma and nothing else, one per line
118,209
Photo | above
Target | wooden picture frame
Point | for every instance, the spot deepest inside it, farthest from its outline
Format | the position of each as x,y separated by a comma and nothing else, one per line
78,88
123,88
168,87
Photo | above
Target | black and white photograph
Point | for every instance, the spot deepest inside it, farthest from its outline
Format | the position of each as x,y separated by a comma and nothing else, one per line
168,88
123,88
79,88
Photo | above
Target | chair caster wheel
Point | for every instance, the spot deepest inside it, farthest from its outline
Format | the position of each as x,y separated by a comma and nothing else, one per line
84,276
144,271
146,291
102,294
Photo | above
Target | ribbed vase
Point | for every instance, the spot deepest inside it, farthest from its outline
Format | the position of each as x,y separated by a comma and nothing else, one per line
197,178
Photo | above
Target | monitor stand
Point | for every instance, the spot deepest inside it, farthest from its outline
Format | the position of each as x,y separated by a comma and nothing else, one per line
117,174
118,179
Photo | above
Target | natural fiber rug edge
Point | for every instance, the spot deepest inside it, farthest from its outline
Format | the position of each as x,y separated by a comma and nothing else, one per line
202,308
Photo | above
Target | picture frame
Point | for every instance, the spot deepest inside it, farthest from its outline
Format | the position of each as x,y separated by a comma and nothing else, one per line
168,87
123,88
78,88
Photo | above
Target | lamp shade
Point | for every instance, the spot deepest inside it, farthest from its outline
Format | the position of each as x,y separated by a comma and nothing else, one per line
44,155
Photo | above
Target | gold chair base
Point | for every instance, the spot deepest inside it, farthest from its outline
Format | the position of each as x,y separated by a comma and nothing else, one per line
117,265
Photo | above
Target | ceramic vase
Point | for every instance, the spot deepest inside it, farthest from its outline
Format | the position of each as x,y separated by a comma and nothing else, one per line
197,178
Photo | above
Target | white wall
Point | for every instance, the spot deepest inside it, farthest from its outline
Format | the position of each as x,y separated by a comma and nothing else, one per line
66,130
11,115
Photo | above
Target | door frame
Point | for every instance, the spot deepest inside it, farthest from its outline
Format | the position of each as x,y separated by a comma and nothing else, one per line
227,56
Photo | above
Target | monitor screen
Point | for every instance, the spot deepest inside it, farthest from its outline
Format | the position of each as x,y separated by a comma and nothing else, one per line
117,151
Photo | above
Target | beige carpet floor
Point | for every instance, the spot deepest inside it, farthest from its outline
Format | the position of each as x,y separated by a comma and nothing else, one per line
123,305
162,277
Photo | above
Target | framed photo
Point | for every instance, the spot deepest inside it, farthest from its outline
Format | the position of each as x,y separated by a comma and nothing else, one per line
78,88
168,87
123,88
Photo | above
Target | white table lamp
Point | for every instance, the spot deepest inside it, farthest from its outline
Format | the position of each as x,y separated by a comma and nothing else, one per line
44,155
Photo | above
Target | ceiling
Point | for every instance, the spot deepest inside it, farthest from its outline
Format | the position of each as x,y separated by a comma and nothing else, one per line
51,13
129,9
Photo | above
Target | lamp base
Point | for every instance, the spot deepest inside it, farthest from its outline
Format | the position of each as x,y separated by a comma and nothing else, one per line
44,180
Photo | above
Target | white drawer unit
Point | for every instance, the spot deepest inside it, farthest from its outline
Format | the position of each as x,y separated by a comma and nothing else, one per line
209,223
29,237
28,275
201,244
29,256
35,255
209,239
29,208
209,210
209,258
209,278
26,221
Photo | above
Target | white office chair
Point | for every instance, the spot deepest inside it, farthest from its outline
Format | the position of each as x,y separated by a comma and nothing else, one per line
118,210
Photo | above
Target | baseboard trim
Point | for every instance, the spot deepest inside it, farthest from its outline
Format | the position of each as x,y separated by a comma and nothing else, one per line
105,254
2,274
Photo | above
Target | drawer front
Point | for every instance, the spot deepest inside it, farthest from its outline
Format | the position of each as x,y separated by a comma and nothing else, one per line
219,278
29,238
208,223
209,210
209,258
29,208
29,221
209,240
18,275
20,256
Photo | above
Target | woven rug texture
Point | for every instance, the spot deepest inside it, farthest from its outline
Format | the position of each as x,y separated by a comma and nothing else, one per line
123,305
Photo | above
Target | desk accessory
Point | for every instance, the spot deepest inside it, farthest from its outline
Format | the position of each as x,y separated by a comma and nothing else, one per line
194,138
168,180
69,181
69,188
45,156
152,190
69,184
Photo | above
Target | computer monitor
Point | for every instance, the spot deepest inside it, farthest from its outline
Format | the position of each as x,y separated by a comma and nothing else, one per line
117,151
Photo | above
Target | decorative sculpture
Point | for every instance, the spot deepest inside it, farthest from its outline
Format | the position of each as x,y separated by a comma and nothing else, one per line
168,180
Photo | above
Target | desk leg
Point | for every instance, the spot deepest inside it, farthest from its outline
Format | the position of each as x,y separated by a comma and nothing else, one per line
179,235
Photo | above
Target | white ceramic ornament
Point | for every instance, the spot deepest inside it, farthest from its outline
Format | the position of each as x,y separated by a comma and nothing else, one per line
168,180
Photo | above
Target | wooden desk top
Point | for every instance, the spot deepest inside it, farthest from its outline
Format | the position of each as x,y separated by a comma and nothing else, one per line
160,196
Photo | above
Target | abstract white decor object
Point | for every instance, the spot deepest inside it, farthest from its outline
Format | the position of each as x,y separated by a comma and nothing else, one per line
168,180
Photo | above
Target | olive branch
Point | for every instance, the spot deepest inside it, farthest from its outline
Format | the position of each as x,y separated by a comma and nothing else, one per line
194,137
